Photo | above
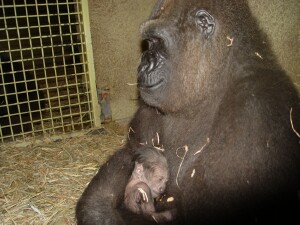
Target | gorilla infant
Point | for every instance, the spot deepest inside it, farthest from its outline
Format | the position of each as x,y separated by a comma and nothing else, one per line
148,181
225,113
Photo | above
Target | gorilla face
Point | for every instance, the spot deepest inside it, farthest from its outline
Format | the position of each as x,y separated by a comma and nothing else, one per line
177,58
155,68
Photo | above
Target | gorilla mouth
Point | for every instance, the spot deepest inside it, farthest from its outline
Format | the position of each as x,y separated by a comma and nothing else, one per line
148,75
150,83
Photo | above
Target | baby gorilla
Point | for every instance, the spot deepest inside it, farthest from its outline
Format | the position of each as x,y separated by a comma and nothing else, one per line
148,181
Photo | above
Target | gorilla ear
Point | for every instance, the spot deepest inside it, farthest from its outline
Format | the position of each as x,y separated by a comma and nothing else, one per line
205,22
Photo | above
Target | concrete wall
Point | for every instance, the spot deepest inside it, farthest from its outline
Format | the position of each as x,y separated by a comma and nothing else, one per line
116,43
281,21
115,37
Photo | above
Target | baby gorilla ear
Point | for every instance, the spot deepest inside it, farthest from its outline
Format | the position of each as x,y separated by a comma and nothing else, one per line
139,170
205,22
139,167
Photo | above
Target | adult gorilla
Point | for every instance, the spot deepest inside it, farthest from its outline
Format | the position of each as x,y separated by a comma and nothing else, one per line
217,101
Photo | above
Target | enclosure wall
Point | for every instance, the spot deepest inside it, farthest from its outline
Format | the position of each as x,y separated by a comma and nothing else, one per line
46,70
116,43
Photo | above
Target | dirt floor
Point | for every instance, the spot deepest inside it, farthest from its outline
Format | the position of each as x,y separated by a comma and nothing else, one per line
42,179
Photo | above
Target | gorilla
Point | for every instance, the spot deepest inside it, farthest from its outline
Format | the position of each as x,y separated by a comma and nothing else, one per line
216,100
148,183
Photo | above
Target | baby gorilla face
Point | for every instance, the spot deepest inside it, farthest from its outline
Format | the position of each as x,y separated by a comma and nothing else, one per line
157,180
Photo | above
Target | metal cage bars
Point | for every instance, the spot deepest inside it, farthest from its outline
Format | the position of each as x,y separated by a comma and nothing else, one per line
51,41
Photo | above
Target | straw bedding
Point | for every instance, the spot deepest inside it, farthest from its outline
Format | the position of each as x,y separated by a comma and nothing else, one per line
41,179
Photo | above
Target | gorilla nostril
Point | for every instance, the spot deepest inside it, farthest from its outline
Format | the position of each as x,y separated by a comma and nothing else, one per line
148,44
152,42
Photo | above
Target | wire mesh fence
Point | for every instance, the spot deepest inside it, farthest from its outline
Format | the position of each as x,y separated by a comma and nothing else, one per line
47,77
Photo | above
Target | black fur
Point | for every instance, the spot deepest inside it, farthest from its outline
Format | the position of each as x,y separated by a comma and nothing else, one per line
221,106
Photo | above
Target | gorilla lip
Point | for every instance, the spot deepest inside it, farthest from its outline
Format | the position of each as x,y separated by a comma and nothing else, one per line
145,85
147,77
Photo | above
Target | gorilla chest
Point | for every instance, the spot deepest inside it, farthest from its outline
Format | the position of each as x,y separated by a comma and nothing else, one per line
185,132
184,140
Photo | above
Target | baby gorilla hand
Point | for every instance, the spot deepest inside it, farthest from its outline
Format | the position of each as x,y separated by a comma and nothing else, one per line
144,195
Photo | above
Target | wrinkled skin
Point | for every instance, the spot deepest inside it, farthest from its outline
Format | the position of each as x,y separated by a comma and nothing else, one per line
138,199
222,112
144,185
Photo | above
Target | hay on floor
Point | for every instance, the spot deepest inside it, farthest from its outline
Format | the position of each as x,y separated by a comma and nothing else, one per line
41,180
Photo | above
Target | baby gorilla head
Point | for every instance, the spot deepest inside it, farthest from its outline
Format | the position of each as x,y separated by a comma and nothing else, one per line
151,168
148,181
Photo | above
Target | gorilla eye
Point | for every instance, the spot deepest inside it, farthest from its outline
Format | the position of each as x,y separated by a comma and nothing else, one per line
205,22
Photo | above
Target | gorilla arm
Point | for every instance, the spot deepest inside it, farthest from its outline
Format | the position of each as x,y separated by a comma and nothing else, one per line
100,200
98,204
